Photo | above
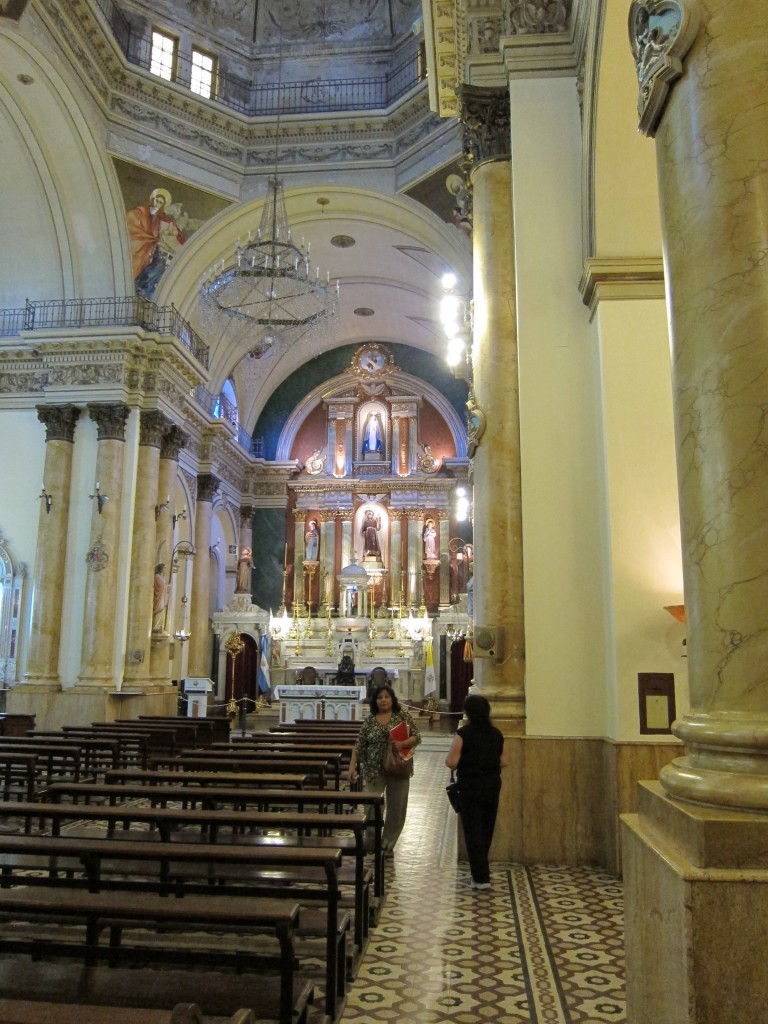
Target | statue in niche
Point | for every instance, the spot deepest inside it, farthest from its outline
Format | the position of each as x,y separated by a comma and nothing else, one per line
160,598
429,536
311,541
373,434
370,531
244,566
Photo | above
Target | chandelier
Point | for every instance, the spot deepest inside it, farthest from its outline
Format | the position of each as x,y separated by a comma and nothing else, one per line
265,296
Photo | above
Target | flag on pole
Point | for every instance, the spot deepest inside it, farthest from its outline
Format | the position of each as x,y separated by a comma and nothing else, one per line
263,675
430,684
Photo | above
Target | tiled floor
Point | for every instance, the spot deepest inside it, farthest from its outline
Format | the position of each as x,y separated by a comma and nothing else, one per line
544,946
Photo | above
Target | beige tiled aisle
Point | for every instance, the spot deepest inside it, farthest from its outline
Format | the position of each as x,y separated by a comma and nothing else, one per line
544,946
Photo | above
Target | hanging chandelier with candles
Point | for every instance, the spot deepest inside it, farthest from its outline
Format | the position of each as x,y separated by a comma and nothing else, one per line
266,296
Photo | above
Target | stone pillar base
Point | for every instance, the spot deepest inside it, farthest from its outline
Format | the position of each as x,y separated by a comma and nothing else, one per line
696,902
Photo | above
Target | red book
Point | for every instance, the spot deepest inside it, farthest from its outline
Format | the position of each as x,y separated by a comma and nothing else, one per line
399,733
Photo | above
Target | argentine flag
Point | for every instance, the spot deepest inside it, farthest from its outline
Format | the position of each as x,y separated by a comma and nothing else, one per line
263,675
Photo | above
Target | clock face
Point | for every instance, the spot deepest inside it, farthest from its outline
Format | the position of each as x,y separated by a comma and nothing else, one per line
371,359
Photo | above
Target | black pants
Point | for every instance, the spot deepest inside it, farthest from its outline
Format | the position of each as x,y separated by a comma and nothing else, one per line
478,805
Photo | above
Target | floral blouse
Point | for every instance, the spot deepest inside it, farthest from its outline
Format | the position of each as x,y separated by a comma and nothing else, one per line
371,745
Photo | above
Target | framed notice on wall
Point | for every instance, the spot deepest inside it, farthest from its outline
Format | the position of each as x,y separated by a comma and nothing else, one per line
656,692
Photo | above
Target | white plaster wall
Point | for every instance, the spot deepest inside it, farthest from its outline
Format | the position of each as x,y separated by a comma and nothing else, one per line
59,197
646,563
627,220
564,549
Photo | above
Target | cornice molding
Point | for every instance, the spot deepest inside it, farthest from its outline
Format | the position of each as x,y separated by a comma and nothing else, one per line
621,279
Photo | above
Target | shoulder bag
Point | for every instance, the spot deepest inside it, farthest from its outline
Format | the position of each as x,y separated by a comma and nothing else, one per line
395,764
452,792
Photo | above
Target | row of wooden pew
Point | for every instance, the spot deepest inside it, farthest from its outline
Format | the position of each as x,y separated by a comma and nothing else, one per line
245,854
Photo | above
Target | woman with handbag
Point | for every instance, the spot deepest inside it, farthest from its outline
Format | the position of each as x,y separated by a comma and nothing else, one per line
374,746
478,755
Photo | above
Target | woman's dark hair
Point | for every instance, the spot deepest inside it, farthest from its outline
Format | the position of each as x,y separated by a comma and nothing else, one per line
477,709
374,696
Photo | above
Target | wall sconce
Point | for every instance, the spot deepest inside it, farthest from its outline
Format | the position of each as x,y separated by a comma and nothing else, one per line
214,547
46,497
101,499
179,515
677,611
162,507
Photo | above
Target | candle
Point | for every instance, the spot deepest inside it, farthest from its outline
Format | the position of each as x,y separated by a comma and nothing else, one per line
285,560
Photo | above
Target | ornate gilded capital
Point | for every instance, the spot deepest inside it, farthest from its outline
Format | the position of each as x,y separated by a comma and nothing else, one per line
328,516
110,421
60,421
661,32
345,515
484,113
152,427
174,439
207,485
300,515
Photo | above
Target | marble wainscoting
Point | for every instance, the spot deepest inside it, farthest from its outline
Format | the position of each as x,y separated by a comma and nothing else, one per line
54,707
562,797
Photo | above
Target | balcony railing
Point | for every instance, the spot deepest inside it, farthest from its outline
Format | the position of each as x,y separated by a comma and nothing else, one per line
221,408
131,311
333,95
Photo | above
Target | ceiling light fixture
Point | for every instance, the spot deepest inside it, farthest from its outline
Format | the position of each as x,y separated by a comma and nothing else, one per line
265,296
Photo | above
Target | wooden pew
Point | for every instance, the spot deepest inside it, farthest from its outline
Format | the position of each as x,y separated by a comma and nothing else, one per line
115,912
158,776
98,753
167,820
184,868
18,770
251,761
239,798
53,760
209,729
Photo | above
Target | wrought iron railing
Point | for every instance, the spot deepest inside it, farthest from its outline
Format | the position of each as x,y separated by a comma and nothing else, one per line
337,94
221,408
130,311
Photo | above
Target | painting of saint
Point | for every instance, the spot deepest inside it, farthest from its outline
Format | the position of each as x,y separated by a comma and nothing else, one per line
155,237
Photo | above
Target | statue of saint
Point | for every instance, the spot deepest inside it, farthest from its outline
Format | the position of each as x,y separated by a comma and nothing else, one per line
160,599
244,566
372,434
370,531
429,535
311,541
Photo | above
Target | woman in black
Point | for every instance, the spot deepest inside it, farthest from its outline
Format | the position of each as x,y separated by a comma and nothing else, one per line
477,753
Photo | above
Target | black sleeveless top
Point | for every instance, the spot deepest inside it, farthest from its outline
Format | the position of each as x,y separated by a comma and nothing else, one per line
480,753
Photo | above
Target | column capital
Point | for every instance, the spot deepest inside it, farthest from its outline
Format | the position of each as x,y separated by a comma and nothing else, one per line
328,516
345,515
246,514
443,514
299,515
484,114
207,485
414,515
60,421
152,427
173,440
110,421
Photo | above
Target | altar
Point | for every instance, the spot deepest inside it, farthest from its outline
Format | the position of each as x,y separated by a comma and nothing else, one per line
334,703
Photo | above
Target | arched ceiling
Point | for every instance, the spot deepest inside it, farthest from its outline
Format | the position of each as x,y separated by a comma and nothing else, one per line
393,269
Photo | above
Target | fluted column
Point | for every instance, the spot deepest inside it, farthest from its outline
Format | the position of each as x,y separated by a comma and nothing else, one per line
395,453
199,644
349,449
171,443
50,557
152,427
395,554
413,564
103,558
445,564
299,525
495,433
328,557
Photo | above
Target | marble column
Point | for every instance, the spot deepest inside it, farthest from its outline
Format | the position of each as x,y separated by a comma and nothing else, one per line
328,558
347,553
395,553
395,454
349,449
171,443
695,865
152,426
494,409
445,562
97,666
299,526
200,641
50,557
245,540
413,562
